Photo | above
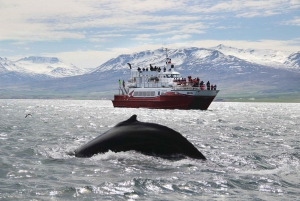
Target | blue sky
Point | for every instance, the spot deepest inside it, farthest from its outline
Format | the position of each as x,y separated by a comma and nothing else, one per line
89,32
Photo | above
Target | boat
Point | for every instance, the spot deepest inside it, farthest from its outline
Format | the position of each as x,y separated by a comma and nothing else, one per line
163,88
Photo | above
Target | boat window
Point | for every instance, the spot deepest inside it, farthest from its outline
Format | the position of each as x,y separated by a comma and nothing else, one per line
159,93
145,93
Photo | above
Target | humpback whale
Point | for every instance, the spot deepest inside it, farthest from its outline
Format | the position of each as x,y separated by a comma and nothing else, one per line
146,138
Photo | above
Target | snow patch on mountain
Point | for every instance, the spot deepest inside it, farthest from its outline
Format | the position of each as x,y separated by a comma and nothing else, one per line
50,66
141,59
183,58
293,60
274,58
7,66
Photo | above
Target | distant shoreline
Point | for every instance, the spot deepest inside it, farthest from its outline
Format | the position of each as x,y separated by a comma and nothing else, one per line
250,100
283,97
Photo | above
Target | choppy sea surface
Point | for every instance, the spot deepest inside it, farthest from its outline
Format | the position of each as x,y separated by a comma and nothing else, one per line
253,152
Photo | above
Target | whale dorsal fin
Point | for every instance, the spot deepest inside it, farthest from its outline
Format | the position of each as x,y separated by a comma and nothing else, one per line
132,119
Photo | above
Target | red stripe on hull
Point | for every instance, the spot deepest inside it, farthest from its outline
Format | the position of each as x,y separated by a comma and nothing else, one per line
174,101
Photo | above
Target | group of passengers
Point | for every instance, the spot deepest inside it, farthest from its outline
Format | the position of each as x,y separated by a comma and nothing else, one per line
158,69
195,83
208,86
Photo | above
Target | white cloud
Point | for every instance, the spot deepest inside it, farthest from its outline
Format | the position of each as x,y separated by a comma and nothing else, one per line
103,38
5,50
85,59
295,21
227,27
40,20
247,8
56,20
295,4
140,24
143,37
178,37
286,45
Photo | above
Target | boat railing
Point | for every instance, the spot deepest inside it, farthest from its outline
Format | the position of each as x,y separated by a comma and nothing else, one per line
166,85
186,88
152,84
189,87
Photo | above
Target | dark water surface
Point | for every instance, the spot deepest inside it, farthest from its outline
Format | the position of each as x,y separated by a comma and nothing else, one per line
252,151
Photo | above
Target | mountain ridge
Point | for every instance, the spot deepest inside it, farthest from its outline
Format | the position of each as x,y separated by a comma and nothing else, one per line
50,67
233,75
276,58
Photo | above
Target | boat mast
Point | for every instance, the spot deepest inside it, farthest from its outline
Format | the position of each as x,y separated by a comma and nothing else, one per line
166,49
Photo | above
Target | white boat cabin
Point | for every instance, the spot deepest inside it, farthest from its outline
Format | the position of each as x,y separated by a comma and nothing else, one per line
155,78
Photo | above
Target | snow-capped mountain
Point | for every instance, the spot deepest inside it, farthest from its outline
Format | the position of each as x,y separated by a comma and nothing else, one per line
50,66
6,64
10,73
212,65
227,69
272,58
32,69
185,59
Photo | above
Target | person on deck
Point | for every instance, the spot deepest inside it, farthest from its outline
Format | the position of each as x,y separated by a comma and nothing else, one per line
208,85
203,87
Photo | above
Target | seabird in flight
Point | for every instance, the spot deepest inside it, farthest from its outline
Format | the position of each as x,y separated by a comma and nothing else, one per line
27,115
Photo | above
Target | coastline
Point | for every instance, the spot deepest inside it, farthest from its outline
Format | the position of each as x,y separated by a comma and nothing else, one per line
274,98
223,96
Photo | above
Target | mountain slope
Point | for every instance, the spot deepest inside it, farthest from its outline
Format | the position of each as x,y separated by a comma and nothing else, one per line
232,75
12,74
32,69
50,66
293,60
6,64
272,58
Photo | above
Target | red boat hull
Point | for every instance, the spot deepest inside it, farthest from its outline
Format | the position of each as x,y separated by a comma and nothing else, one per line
172,101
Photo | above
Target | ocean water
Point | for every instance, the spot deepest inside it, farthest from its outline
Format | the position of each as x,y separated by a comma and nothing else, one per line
252,151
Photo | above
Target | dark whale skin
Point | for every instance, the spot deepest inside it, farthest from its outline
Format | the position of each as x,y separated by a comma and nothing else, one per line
147,138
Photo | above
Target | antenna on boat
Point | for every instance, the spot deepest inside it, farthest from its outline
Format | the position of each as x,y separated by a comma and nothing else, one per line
166,49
